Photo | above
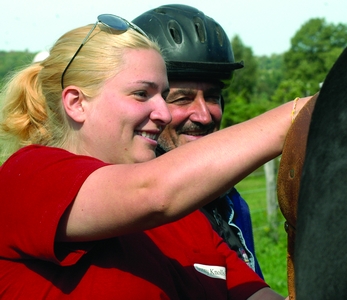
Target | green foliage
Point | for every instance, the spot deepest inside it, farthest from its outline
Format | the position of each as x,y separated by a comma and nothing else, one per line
10,61
249,93
238,94
314,49
239,109
272,257
244,79
271,254
288,90
266,82
270,75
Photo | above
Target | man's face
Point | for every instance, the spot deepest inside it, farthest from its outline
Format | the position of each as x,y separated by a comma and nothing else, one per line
196,111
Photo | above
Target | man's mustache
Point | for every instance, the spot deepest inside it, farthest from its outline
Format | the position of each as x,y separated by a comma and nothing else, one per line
191,127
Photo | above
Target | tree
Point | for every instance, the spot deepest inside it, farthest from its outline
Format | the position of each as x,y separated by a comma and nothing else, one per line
238,95
314,49
10,61
244,80
270,75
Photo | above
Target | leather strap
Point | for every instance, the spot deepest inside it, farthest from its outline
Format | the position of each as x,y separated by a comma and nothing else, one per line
288,181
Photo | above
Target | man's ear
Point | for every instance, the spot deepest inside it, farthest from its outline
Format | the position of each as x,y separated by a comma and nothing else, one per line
73,101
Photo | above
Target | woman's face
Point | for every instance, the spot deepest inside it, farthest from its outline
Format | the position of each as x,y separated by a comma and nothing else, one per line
123,123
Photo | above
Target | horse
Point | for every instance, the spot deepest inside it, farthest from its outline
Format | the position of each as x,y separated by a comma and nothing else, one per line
312,189
321,243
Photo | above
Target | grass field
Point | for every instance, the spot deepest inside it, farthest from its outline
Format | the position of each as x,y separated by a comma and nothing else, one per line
271,253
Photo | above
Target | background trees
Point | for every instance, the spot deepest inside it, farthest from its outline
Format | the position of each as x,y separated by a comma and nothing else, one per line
267,81
10,61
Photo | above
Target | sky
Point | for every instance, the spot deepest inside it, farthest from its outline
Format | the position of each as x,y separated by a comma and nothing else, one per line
266,26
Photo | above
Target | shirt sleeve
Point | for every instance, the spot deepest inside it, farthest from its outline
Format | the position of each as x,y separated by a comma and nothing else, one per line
37,185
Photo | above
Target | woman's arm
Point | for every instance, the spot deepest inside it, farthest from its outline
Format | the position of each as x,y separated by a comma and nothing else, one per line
121,199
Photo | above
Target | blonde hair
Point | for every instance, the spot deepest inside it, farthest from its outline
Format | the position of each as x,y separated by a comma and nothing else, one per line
31,106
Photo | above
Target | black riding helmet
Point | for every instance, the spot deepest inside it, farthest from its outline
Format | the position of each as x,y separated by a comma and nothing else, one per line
194,45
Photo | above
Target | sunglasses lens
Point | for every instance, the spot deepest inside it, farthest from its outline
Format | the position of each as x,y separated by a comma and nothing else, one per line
118,23
113,22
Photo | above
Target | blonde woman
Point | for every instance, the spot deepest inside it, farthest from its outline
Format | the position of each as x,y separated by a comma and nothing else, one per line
86,211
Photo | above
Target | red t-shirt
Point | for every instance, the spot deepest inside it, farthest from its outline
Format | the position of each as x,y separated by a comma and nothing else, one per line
185,259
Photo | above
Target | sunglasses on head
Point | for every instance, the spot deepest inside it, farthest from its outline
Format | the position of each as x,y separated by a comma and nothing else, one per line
111,21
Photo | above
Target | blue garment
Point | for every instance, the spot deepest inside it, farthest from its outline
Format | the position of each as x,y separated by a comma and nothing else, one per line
230,217
239,215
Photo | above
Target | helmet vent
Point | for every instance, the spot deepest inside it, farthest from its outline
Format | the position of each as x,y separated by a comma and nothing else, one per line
160,10
220,36
175,32
200,29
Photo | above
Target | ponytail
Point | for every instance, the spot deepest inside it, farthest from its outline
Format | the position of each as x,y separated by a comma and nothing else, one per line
23,118
32,110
